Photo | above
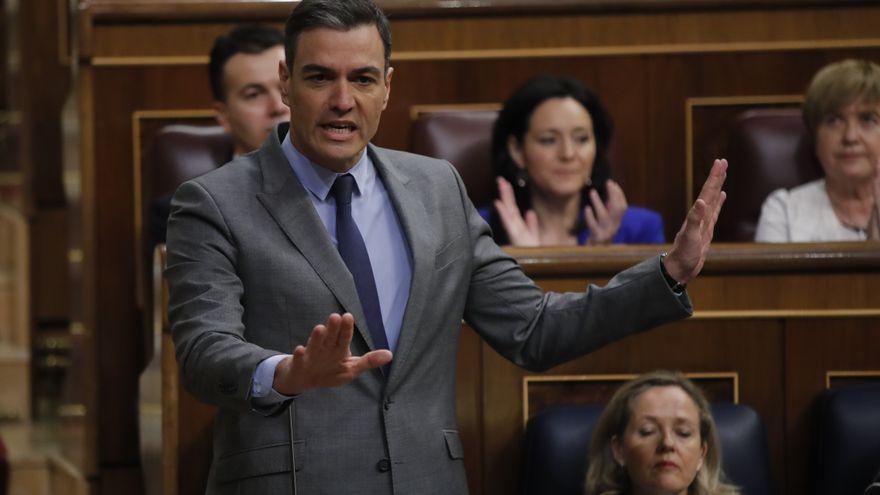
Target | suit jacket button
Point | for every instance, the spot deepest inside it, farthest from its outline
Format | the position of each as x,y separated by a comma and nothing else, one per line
383,466
387,404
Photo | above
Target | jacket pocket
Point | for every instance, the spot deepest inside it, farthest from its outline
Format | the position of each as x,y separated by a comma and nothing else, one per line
453,444
260,461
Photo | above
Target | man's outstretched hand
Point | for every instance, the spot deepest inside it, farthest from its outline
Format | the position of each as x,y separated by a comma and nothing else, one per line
688,253
326,360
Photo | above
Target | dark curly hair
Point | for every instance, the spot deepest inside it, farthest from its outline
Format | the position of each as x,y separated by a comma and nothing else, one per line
514,120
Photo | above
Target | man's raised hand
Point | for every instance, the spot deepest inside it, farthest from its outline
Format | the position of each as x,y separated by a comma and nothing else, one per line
688,252
326,360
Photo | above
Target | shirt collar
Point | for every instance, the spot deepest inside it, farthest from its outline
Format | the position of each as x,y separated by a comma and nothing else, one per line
318,180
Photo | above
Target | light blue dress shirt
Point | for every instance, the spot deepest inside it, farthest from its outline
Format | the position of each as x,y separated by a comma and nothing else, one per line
377,221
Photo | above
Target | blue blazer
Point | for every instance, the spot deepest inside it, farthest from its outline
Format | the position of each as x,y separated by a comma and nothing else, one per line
638,226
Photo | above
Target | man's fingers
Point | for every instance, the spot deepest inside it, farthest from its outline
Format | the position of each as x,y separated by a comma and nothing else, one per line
696,215
333,326
370,360
710,225
377,358
712,187
299,352
346,331
317,337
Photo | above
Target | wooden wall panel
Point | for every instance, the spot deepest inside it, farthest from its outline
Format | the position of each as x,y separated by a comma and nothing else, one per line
119,351
645,64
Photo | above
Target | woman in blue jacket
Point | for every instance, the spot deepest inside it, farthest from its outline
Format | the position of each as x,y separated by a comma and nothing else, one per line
550,154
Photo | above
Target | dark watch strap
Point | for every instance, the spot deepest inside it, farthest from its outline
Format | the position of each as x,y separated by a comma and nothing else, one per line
675,285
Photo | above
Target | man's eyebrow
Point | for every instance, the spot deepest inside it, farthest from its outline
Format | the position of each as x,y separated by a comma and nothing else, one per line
316,68
370,69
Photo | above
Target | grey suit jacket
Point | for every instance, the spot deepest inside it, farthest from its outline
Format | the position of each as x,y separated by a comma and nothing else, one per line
252,270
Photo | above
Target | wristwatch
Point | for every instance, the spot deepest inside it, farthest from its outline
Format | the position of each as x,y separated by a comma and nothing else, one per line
676,286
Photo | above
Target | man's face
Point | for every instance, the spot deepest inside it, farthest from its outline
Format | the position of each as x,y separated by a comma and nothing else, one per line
336,91
253,103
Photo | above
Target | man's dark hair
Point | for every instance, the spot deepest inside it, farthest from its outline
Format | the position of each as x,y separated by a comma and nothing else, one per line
251,39
338,15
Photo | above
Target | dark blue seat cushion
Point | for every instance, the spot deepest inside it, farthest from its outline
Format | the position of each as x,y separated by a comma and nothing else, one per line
849,440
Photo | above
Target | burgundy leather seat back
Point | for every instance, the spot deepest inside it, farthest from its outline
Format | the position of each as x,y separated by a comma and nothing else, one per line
768,149
462,137
180,152
176,154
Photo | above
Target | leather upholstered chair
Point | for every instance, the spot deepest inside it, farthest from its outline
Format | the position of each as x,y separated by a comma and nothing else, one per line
557,442
175,429
463,138
177,153
768,149
849,440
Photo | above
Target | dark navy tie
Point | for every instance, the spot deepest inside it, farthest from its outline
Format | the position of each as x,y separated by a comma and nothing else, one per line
354,253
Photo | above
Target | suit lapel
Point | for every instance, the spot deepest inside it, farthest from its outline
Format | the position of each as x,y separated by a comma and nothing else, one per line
410,209
288,203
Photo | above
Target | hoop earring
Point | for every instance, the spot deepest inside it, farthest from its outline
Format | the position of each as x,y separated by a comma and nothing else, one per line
522,178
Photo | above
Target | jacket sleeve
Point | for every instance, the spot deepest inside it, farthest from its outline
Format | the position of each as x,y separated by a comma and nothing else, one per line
538,330
205,302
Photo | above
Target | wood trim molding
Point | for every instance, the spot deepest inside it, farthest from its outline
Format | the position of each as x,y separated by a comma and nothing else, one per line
170,416
717,101
625,50
149,60
18,335
549,52
619,377
723,258
64,16
11,178
832,374
416,110
774,314
152,11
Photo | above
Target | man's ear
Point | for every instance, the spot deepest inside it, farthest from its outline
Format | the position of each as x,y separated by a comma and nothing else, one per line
284,76
514,149
221,115
388,73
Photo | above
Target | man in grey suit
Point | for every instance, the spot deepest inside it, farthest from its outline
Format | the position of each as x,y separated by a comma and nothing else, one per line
318,286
